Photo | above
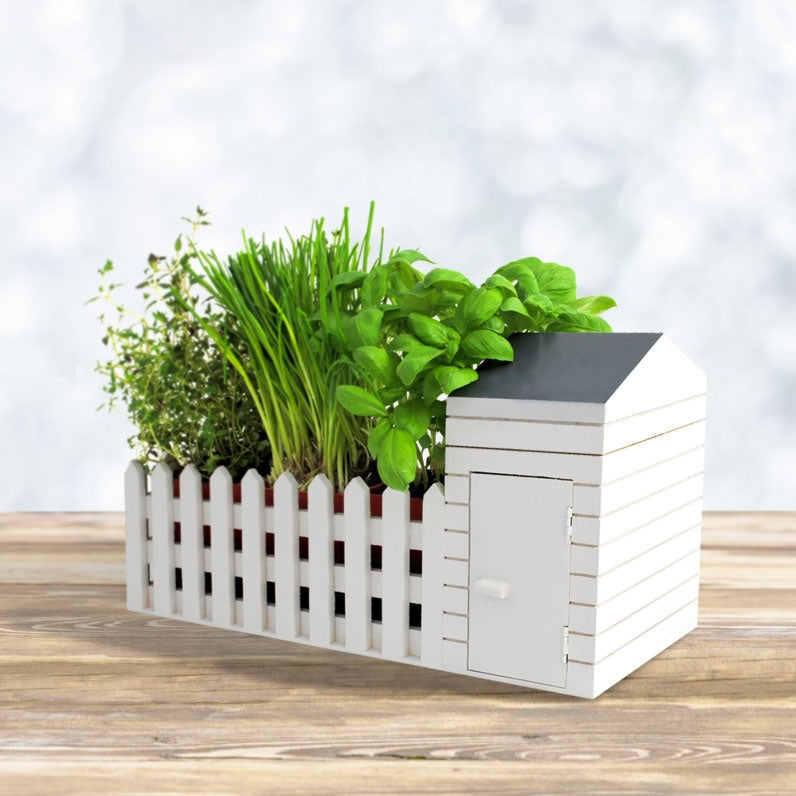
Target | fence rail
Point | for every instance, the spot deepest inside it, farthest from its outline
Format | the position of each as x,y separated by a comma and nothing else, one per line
347,580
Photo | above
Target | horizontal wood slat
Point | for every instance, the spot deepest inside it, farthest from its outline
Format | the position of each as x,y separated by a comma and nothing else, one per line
594,648
591,619
541,435
597,500
596,560
593,591
601,530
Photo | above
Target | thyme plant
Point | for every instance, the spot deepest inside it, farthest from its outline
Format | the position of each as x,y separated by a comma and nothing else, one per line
170,377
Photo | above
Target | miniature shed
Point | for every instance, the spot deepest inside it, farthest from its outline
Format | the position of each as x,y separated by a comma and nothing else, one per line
574,485
562,553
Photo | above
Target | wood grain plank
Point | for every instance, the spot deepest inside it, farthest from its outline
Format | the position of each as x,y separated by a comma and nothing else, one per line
94,698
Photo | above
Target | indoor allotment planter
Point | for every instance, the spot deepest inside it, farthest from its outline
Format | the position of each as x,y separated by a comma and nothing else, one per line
561,553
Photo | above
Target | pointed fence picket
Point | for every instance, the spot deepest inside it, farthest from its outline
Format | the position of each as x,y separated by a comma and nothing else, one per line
225,558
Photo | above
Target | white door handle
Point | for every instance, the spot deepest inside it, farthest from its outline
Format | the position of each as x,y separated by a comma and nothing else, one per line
490,587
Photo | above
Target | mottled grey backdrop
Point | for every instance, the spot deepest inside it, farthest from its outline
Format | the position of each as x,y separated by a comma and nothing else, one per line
649,145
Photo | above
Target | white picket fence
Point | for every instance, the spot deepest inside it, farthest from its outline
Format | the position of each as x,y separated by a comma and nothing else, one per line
269,588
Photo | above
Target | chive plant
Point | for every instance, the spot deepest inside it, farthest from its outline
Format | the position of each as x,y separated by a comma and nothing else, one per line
290,301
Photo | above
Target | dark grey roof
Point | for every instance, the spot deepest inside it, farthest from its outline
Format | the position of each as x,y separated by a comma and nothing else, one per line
562,366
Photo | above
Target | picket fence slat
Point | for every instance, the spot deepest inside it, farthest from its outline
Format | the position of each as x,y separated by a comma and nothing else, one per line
161,524
222,548
286,556
192,559
432,585
253,551
395,575
321,560
357,566
135,522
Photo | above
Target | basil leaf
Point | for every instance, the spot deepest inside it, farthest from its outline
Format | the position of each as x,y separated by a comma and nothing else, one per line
486,344
594,305
414,361
377,362
448,280
412,417
477,307
376,436
397,462
368,323
451,378
359,402
430,331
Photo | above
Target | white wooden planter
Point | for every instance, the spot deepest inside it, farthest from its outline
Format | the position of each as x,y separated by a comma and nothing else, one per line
562,553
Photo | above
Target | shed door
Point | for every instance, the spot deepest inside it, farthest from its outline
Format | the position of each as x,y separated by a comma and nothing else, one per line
519,576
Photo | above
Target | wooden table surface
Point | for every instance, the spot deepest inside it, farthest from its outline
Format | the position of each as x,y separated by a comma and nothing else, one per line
97,700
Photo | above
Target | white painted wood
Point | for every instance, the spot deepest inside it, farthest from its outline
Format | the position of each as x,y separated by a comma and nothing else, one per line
192,558
135,527
583,469
161,525
652,451
511,409
454,627
518,535
491,587
652,423
596,500
321,560
590,619
338,525
455,572
541,435
454,655
580,468
222,547
432,589
594,591
663,376
457,518
286,556
524,435
454,600
357,567
457,489
253,548
640,650
600,530
590,649
456,544
591,560
395,575
415,582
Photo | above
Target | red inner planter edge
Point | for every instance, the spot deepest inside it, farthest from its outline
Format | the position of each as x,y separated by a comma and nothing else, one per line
415,504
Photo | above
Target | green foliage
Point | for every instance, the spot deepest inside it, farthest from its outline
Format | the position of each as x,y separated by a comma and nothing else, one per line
293,305
170,378
306,356
426,333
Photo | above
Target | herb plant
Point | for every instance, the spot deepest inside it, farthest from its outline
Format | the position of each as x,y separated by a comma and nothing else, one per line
426,335
171,378
294,308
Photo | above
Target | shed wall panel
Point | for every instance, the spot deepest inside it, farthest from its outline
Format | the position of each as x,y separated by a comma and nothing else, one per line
640,650
591,590
594,648
597,560
591,619
597,500
600,530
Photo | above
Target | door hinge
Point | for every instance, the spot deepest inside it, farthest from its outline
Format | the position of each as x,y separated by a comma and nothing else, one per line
565,645
568,522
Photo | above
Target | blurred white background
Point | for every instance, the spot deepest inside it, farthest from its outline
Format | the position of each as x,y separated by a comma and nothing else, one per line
649,145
